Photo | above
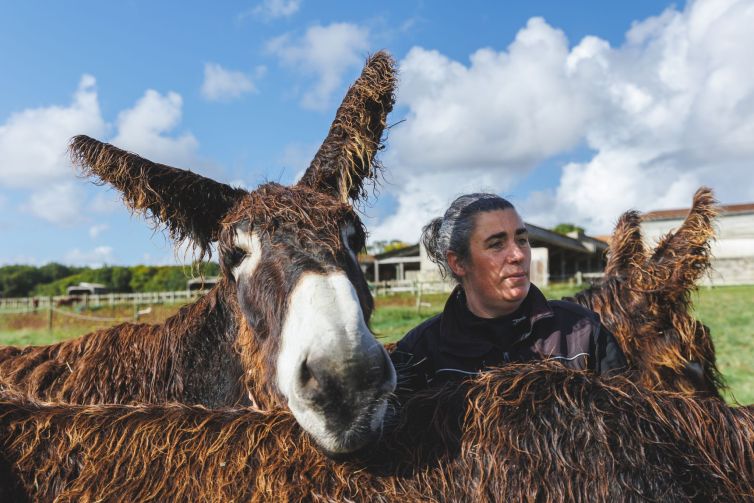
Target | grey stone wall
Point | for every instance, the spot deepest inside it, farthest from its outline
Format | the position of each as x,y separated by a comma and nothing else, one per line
731,271
732,251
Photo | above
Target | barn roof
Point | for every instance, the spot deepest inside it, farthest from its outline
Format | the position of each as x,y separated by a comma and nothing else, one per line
538,236
680,213
577,242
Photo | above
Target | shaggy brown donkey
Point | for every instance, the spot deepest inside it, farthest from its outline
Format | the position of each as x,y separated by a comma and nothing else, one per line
645,300
536,432
287,323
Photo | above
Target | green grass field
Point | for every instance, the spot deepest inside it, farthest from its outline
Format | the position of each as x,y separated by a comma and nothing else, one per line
728,311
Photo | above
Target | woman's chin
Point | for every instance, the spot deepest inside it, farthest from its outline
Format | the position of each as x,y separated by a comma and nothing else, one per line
518,291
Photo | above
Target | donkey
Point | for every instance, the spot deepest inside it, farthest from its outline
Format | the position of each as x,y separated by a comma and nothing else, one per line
645,300
523,432
287,324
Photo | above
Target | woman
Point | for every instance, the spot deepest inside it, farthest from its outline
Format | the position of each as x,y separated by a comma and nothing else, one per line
495,315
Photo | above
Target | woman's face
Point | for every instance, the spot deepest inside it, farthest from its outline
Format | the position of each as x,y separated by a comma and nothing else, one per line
495,277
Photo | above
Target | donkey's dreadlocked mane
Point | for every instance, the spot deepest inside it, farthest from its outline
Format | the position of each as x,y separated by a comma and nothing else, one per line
535,432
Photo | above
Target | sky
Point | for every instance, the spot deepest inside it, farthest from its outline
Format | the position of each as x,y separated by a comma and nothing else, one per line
573,111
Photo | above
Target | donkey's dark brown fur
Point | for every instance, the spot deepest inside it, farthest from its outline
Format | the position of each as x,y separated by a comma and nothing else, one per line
536,432
209,353
645,300
179,360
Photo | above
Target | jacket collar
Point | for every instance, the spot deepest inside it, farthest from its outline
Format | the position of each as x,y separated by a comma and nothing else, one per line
464,334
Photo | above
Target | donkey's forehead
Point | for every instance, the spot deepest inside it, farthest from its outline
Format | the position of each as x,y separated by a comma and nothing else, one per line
272,205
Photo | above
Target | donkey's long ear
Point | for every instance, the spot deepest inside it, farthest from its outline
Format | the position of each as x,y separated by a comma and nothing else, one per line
186,204
627,248
681,257
347,156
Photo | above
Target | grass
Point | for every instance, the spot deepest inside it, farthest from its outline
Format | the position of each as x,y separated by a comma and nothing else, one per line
728,311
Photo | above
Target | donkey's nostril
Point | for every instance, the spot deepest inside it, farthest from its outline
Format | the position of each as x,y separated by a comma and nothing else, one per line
308,378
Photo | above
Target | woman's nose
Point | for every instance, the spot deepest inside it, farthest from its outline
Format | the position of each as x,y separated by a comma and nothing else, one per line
517,254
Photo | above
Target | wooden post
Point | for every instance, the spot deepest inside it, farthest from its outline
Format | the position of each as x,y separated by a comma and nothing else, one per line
418,298
136,312
49,315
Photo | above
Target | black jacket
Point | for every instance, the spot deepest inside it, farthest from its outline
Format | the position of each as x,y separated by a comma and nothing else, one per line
457,343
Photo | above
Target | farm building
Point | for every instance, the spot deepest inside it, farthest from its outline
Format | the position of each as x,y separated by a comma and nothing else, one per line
200,284
732,252
555,257
86,289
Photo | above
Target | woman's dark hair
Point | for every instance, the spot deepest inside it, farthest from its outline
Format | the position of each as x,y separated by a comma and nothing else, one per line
452,231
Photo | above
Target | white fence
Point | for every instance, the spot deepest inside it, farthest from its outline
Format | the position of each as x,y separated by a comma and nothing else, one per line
31,304
408,286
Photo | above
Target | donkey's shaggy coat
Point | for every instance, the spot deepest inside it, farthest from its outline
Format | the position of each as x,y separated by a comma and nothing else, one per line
645,300
536,432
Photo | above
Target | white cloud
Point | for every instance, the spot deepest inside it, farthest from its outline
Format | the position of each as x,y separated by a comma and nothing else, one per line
678,112
669,109
324,53
57,202
225,85
97,229
34,142
144,129
273,9
97,257
427,196
505,111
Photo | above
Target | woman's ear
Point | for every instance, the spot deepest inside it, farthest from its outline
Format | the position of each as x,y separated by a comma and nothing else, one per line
456,265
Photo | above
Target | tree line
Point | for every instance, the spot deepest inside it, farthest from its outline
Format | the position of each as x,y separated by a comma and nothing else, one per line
54,278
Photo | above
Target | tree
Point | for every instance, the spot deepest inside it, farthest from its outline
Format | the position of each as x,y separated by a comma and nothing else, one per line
140,276
167,279
18,280
565,228
395,244
121,279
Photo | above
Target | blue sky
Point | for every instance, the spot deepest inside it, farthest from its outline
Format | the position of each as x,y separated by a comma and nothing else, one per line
574,111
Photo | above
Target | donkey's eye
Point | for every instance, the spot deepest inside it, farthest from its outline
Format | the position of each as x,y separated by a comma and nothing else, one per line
245,254
236,254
